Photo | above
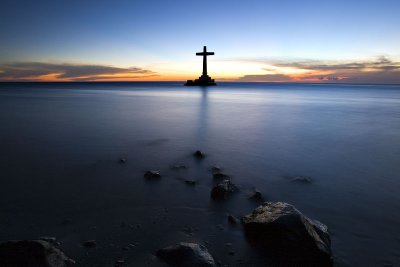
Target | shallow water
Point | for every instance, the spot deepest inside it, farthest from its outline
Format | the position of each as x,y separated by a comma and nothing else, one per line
60,145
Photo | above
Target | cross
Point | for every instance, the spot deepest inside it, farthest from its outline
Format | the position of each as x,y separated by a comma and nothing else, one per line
204,54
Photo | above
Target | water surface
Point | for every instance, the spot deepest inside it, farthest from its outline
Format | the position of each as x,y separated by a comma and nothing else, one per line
60,145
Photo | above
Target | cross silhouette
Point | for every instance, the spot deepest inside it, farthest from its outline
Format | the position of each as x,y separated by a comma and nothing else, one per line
204,54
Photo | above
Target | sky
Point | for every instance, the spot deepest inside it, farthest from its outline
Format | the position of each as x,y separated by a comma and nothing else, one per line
254,41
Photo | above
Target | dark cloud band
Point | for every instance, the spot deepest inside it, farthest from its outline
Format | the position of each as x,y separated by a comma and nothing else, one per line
380,70
33,71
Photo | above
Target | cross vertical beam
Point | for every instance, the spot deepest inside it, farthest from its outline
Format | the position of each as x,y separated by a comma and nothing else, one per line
204,54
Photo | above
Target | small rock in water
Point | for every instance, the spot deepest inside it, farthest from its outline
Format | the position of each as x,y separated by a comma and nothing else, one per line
220,175
215,169
284,232
198,154
122,160
223,189
191,182
178,167
152,175
257,196
186,254
233,220
29,253
301,179
89,243
119,262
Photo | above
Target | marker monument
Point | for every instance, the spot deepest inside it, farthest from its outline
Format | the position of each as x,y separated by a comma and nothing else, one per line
204,79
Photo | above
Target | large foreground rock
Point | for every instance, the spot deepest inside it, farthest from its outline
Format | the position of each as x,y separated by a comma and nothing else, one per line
32,253
283,231
186,255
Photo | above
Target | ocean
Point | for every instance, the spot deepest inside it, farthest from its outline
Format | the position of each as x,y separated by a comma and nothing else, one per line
60,173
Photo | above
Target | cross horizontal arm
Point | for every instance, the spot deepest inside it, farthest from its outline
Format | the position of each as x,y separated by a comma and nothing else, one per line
204,53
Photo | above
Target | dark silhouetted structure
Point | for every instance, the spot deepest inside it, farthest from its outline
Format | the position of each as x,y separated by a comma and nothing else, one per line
204,79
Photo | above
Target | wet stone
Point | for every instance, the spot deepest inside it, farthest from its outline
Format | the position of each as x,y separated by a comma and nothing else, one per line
233,220
257,196
89,243
281,230
223,189
186,254
198,154
301,179
150,175
32,253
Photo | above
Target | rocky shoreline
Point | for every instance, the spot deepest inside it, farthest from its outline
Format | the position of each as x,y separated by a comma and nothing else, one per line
278,229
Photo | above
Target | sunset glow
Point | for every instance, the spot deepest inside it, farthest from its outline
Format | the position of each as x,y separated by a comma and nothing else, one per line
254,42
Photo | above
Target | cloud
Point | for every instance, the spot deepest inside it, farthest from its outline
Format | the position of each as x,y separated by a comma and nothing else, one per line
68,72
379,70
380,64
265,78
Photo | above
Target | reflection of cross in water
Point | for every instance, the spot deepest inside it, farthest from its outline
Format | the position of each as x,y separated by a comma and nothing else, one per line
205,54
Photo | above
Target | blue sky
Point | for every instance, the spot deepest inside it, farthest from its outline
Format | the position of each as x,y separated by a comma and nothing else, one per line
248,37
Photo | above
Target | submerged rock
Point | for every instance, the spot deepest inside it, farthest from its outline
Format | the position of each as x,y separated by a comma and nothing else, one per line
186,255
152,175
220,175
179,167
89,243
233,220
190,182
257,196
119,263
122,160
215,168
280,229
223,189
32,253
198,154
301,179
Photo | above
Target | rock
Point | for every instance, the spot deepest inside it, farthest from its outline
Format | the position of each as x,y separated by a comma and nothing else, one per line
222,190
178,167
32,253
280,229
186,255
198,154
89,243
257,196
191,182
301,179
119,262
122,160
50,239
215,169
233,220
220,176
150,175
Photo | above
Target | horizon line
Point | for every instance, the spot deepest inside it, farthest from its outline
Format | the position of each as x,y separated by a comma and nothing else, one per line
180,81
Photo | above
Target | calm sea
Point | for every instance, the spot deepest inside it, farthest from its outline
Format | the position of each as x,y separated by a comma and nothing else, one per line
60,176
